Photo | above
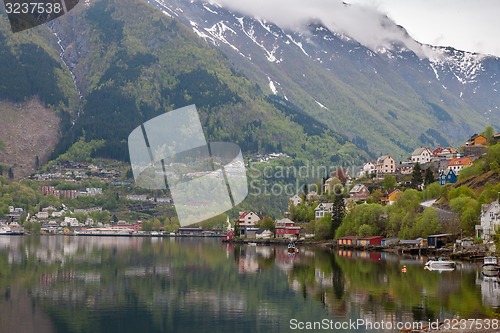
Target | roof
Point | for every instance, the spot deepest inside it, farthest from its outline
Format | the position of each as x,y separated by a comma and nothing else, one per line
326,205
486,207
357,188
420,150
460,161
383,157
475,136
440,235
285,220
371,237
262,230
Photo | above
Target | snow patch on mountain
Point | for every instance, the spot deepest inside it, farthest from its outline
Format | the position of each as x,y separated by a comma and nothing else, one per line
272,86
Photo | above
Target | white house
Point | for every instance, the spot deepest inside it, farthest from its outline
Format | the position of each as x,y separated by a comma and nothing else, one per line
42,215
248,219
421,155
322,209
57,214
295,200
490,218
385,164
70,221
367,169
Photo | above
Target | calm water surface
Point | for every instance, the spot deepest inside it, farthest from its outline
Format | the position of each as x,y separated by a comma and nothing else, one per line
62,284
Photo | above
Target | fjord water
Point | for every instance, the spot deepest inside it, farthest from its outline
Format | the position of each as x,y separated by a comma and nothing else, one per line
63,284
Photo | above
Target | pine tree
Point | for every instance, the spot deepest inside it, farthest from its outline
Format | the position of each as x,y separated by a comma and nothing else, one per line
11,173
37,163
429,176
338,213
416,176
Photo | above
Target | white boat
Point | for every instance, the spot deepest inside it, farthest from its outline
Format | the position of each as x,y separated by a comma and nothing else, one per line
440,265
252,244
490,264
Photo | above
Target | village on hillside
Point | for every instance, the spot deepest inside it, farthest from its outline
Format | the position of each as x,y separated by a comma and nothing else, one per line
355,209
383,183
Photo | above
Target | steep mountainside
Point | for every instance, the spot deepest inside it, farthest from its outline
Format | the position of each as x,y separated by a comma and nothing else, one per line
133,63
36,90
389,98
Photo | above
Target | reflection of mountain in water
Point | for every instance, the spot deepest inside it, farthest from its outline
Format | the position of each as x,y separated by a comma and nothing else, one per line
143,284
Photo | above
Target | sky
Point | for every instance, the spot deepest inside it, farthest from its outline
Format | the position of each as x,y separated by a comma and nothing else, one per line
470,25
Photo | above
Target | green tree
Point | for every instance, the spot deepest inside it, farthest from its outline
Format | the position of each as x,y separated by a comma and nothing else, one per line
37,163
427,223
416,176
488,133
11,173
429,176
267,223
155,224
389,182
468,209
147,226
305,190
323,227
338,214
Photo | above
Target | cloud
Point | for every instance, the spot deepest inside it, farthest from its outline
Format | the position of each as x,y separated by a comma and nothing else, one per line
364,24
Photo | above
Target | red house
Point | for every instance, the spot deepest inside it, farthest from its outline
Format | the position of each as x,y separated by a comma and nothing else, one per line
359,192
285,228
373,240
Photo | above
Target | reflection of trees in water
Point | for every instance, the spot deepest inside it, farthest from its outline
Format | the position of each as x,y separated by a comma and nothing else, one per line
337,278
154,276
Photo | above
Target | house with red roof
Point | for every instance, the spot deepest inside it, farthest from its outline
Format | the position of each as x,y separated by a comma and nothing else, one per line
457,164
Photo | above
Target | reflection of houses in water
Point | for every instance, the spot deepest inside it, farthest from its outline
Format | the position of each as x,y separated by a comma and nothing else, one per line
213,302
248,264
247,259
58,249
140,271
369,255
490,289
264,251
285,260
322,279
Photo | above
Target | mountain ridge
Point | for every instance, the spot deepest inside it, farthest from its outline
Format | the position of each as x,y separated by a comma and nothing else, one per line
454,90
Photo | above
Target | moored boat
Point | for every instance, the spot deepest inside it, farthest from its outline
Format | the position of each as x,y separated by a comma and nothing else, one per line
440,264
292,248
490,265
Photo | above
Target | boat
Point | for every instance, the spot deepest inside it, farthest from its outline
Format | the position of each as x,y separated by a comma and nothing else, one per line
292,248
440,265
252,244
490,265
